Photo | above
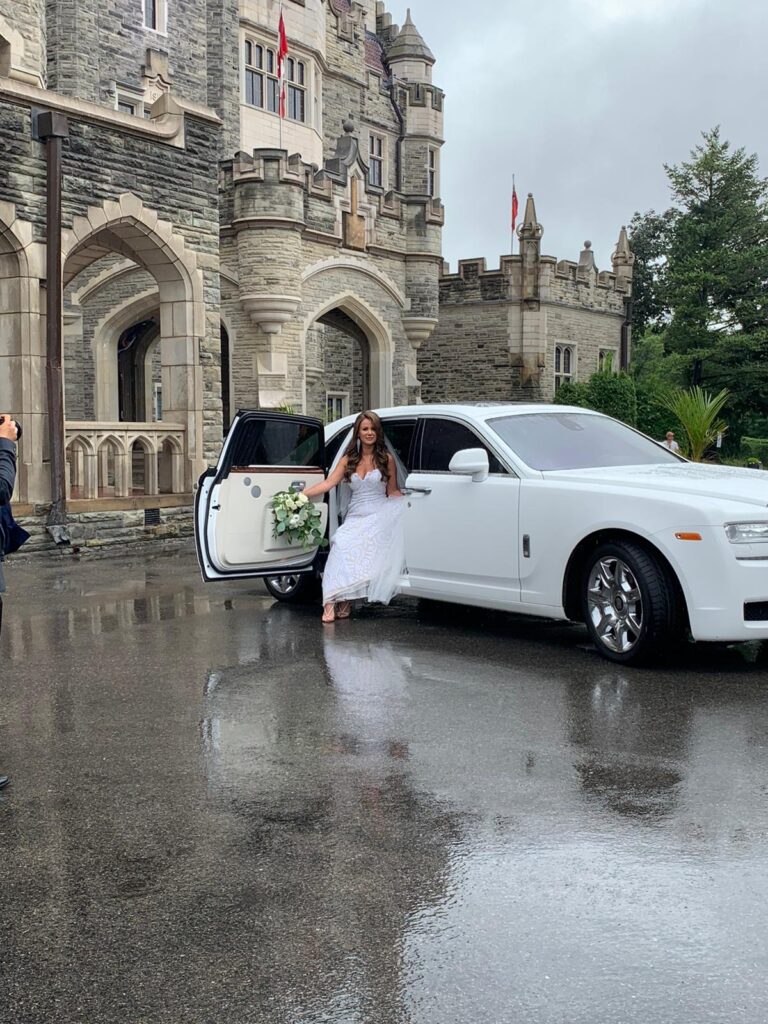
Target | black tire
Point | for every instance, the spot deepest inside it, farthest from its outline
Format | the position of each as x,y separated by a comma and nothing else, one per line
293,589
632,607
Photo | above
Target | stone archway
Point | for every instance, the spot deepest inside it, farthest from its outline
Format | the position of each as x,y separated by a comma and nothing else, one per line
349,314
128,227
105,347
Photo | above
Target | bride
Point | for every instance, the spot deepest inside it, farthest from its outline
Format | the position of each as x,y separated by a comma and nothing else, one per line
366,554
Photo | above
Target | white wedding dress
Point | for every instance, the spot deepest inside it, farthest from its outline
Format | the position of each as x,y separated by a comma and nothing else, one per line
368,549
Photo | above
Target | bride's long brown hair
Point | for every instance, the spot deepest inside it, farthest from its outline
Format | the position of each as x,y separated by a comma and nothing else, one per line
354,452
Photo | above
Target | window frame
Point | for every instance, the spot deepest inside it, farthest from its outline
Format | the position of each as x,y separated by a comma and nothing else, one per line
333,396
377,160
561,376
433,172
161,16
130,98
297,73
602,353
482,442
262,70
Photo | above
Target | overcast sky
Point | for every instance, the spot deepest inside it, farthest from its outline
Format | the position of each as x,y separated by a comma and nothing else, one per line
584,100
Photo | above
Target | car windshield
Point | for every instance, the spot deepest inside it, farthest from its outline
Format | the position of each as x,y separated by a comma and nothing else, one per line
573,440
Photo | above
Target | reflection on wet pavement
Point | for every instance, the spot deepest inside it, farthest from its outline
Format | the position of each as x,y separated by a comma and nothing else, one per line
220,811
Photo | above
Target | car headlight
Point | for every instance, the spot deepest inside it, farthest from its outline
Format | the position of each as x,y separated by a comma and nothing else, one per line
746,533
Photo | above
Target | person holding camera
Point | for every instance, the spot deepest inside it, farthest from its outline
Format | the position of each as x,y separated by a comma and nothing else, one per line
9,435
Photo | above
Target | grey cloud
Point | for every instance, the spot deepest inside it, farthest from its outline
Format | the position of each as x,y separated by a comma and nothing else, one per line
585,108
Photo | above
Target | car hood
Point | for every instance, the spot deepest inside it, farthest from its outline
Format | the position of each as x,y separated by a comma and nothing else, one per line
724,483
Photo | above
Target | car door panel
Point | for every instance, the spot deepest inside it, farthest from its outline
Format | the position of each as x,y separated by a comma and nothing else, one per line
461,535
233,513
244,525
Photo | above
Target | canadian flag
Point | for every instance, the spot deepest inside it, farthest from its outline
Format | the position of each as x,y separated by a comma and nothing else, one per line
282,52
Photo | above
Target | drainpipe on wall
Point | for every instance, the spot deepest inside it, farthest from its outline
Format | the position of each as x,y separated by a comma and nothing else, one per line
400,137
625,329
51,127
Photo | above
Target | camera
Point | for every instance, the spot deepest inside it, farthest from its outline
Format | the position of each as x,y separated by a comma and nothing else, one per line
18,427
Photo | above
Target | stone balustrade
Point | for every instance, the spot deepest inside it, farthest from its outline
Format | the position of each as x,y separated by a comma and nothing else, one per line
124,459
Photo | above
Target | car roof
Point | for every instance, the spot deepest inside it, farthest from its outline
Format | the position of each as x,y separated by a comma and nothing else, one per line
479,411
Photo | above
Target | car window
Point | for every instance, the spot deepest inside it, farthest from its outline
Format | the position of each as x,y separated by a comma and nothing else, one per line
400,435
275,442
572,440
441,440
332,446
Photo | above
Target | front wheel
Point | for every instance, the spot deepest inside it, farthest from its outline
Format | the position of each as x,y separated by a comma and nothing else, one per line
293,588
632,608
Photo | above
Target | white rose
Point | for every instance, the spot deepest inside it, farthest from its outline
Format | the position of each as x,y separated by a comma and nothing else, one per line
303,499
294,521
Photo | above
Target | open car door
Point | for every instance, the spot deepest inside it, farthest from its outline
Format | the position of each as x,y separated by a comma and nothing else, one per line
264,452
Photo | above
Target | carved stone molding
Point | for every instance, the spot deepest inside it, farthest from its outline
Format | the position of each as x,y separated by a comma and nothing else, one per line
418,328
270,312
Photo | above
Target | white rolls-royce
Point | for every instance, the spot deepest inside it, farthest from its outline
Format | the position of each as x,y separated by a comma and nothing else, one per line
542,510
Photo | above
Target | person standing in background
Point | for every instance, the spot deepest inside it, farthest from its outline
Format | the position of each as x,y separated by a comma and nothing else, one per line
9,434
670,442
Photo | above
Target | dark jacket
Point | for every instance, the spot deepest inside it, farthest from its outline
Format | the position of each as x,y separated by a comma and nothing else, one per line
7,480
7,469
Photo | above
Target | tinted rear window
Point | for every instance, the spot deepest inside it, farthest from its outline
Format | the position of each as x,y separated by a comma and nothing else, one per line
564,440
260,442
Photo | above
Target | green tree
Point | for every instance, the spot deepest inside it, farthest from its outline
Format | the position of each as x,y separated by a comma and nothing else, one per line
605,391
649,237
717,267
702,286
699,414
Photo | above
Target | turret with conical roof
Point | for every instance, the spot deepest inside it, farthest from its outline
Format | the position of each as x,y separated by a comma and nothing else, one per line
409,44
420,102
408,56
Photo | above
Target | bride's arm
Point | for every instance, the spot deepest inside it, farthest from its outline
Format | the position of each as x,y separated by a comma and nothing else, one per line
333,480
393,491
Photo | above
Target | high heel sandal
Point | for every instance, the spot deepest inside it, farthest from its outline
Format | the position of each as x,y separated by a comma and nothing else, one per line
329,616
345,610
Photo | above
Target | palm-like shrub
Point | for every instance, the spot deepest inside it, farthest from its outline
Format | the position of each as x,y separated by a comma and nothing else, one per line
698,412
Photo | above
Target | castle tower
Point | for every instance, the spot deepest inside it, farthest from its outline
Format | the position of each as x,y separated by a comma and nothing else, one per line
410,62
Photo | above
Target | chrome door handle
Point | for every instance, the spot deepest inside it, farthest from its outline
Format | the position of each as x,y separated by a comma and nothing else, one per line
417,490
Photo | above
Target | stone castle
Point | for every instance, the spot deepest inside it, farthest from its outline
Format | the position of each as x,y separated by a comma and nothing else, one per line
217,255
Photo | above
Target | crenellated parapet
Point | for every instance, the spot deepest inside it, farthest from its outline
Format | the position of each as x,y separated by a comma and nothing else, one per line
520,330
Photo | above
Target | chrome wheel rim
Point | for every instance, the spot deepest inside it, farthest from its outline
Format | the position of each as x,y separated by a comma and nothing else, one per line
284,584
615,605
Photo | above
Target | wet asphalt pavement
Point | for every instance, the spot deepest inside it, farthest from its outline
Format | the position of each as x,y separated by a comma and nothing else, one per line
223,812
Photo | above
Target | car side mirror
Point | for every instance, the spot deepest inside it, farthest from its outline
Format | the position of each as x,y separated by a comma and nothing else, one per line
471,462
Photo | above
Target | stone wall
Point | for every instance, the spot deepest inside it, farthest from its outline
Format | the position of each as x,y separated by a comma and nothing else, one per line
487,325
94,47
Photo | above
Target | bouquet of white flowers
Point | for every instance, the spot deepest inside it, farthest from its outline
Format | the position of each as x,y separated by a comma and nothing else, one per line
297,519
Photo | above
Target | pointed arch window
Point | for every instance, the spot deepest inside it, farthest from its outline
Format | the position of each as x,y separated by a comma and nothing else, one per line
565,363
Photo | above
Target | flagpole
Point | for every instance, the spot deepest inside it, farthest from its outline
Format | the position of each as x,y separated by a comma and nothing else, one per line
280,84
512,228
